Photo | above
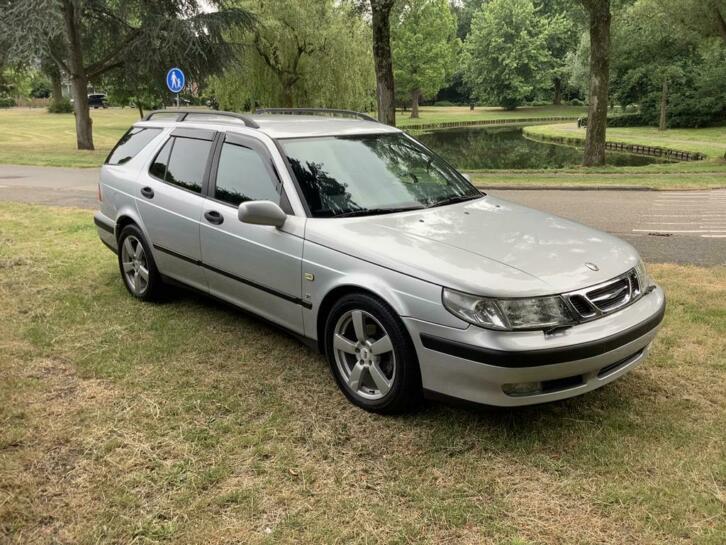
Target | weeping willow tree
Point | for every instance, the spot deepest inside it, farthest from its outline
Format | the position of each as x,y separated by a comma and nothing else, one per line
312,54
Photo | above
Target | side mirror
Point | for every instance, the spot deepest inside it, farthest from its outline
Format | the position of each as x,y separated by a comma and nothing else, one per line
466,177
261,213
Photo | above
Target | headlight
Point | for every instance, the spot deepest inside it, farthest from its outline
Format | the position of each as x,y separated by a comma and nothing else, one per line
508,314
643,279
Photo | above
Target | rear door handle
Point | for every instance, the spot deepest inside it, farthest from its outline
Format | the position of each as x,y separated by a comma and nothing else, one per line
214,217
147,192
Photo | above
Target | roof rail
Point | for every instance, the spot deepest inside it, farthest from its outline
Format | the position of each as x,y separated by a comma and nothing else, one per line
315,111
186,114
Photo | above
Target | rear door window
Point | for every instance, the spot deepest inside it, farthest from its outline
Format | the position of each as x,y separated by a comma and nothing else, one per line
131,144
158,166
187,163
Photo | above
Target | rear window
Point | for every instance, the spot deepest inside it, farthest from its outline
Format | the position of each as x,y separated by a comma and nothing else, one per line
181,162
130,144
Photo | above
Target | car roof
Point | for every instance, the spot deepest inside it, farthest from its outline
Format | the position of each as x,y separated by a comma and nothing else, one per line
277,125
296,126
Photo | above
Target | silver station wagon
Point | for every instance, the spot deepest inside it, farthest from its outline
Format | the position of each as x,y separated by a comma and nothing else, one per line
358,239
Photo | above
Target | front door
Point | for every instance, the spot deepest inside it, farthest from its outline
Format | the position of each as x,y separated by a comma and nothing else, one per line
256,267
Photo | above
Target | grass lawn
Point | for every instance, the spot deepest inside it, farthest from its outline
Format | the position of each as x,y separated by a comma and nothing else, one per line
710,141
669,176
190,422
35,137
32,136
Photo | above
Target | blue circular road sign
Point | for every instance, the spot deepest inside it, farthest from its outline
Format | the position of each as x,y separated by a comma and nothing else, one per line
175,80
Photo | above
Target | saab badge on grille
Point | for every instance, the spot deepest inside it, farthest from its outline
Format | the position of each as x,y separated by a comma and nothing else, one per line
592,266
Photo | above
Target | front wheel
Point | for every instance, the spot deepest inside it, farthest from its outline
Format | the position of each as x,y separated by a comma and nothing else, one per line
371,356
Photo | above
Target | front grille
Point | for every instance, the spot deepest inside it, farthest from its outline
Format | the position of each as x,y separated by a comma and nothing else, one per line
604,298
611,296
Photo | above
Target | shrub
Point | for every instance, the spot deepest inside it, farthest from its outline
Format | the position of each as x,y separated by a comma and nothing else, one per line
7,102
576,102
60,106
627,120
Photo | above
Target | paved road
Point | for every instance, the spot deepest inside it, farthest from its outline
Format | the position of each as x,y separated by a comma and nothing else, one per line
665,226
49,185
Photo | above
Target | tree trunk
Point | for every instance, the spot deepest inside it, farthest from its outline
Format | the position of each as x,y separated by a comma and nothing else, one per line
287,101
415,96
557,99
140,107
382,57
662,123
57,85
597,113
720,22
79,80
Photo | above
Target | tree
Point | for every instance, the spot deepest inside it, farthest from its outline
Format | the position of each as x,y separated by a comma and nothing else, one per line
313,53
424,48
88,38
598,12
505,58
668,71
707,18
382,58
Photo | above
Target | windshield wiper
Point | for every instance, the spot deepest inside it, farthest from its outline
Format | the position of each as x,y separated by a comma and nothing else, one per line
454,199
374,211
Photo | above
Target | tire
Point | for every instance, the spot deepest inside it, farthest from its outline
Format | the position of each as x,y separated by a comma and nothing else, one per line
133,266
384,377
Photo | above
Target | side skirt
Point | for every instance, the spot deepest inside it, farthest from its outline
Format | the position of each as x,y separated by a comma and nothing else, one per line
307,341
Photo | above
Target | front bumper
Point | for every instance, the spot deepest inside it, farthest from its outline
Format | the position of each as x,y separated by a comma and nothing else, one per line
479,365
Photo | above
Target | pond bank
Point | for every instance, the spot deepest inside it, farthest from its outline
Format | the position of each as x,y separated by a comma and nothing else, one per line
703,143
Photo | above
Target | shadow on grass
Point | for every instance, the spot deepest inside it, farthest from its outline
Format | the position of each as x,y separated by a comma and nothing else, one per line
455,426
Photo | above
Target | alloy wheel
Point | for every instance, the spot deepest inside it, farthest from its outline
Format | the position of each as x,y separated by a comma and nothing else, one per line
135,265
364,354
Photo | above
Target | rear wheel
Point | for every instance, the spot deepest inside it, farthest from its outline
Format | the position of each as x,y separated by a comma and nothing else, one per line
137,266
371,356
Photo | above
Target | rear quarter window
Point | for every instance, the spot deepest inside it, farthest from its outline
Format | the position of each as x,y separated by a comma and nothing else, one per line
131,143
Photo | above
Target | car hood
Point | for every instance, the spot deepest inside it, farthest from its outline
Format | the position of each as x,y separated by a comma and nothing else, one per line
487,246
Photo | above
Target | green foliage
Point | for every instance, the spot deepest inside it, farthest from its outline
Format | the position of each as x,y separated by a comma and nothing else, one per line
506,59
16,82
7,102
424,46
652,53
315,54
60,106
40,86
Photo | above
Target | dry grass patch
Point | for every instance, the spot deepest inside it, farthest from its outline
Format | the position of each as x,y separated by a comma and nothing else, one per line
190,422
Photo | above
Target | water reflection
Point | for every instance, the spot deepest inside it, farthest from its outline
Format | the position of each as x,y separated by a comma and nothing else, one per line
507,148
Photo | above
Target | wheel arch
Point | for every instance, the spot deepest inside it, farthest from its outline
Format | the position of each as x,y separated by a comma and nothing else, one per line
128,216
384,295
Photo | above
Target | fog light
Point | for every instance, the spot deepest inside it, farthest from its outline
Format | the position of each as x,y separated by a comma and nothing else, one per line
522,388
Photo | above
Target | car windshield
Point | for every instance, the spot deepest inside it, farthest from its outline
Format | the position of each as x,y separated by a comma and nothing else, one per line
372,174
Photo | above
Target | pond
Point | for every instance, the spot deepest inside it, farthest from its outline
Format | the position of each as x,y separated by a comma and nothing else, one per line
507,148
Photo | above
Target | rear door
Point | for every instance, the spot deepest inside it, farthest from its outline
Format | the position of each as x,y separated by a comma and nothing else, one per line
256,267
171,204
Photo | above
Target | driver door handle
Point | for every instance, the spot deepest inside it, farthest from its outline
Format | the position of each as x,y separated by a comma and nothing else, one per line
147,192
212,216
